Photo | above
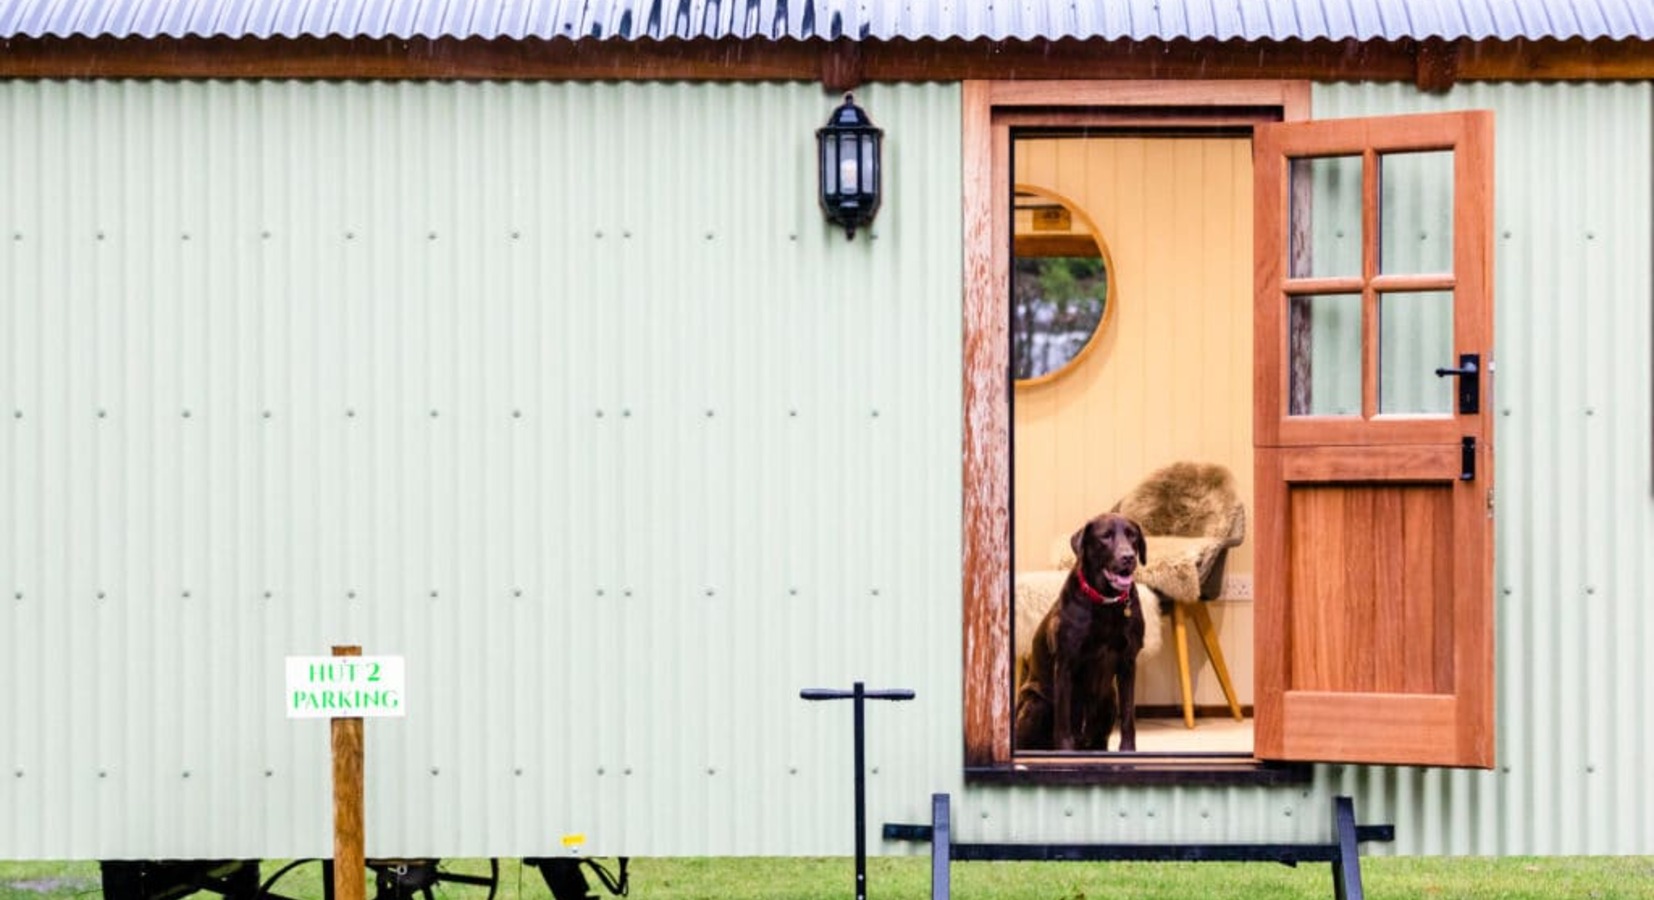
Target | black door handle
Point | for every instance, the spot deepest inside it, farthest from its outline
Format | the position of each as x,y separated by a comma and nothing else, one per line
1470,383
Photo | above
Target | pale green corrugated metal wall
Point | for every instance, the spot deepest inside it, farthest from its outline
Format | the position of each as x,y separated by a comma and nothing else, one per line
736,524
565,392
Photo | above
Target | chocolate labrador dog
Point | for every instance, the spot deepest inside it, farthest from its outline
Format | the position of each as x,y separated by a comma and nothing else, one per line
1083,667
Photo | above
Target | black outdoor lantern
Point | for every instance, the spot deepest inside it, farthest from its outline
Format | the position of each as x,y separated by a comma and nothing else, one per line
849,147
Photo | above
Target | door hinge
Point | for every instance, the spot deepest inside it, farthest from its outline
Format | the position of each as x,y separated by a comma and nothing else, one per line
1490,503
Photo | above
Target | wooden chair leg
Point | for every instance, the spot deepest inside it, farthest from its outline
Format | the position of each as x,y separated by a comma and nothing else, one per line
1209,637
1180,637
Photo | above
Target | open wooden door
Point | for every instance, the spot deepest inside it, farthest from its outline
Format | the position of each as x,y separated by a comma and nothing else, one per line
1374,333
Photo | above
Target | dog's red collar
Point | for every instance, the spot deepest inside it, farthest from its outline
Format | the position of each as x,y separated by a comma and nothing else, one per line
1096,596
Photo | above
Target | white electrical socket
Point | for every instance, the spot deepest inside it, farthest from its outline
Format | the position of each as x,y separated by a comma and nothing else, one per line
1237,587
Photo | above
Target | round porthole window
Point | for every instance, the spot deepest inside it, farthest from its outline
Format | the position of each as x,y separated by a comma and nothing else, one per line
1062,286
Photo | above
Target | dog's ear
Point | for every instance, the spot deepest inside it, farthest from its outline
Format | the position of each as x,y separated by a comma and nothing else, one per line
1077,541
1138,544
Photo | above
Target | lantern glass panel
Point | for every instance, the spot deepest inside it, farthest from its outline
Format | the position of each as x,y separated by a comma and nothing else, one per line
829,169
849,169
869,163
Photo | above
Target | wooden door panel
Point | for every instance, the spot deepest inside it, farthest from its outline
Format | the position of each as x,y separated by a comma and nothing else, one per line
1328,726
1365,562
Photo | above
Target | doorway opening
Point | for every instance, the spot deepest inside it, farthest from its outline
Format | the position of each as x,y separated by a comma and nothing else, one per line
1131,353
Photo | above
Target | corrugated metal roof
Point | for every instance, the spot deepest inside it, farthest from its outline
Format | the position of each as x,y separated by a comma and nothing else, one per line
1262,20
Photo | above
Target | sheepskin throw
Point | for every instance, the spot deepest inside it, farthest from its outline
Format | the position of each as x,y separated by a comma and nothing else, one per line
1190,516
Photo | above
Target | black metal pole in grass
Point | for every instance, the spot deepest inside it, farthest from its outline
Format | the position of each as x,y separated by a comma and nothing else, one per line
859,694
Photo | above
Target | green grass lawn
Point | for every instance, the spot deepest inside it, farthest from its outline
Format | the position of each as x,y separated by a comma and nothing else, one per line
908,878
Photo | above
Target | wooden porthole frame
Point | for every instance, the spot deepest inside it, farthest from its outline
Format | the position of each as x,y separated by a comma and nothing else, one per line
1110,295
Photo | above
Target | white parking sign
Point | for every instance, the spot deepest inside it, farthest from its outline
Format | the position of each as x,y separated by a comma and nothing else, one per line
333,687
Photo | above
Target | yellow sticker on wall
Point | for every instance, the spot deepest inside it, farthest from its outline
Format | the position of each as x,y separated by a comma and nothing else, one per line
573,840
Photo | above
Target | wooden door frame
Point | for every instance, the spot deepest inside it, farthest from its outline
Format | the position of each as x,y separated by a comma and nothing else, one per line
988,109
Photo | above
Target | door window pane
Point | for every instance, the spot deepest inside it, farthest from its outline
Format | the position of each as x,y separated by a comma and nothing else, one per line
1325,355
1415,337
1415,213
1325,228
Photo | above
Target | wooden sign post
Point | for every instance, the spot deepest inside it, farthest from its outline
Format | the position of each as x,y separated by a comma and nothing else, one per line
349,855
346,688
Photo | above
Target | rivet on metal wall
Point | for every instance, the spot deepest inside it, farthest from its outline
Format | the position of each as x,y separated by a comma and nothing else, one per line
626,234
626,593
792,770
350,413
600,234
626,771
18,773
431,236
711,771
517,592
269,773
102,773
433,595
268,595
101,595
625,414
185,595
599,592
265,235
186,236
875,592
100,235
18,595
434,413
517,236
266,414
186,773
350,235
517,771
350,595
17,414
600,770
600,414
435,771
792,591
516,414
709,592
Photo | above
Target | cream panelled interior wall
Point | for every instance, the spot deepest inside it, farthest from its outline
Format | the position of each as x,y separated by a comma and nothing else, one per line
1171,379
